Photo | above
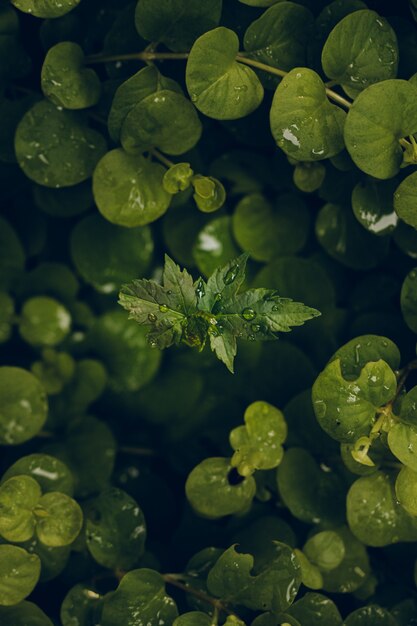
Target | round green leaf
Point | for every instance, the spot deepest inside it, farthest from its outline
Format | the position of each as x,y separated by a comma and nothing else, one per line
308,177
279,37
55,148
381,115
306,128
219,86
51,474
346,409
372,615
326,550
121,343
148,81
19,573
81,606
406,489
107,256
23,405
176,23
209,193
46,8
405,200
372,204
24,614
66,81
310,573
360,50
214,245
408,410
258,444
374,514
266,230
178,178
53,560
59,519
314,609
352,571
44,322
115,529
140,595
128,189
402,440
344,240
211,491
409,300
193,618
356,353
165,120
55,370
18,497
311,494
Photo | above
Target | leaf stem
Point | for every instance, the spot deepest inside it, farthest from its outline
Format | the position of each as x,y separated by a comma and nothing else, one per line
178,580
161,157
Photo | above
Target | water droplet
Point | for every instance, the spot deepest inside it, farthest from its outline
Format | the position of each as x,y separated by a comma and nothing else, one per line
231,274
200,291
152,318
256,328
248,314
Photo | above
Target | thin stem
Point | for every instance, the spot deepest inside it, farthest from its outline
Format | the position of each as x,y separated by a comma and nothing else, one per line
136,56
176,581
161,157
137,451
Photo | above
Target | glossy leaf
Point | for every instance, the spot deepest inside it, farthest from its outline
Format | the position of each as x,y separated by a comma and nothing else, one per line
258,444
59,519
357,352
405,200
221,88
315,609
19,573
55,148
402,441
178,178
66,81
352,571
326,550
209,193
128,189
24,614
372,205
406,489
46,8
372,615
303,121
214,245
81,604
18,497
23,405
44,322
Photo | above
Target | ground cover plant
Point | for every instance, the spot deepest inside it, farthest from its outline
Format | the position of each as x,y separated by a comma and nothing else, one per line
208,310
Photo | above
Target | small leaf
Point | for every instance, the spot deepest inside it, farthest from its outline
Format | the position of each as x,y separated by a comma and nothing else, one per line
81,604
66,81
372,615
372,204
214,245
405,200
46,8
258,444
219,86
213,492
18,497
326,550
406,489
19,573
315,609
307,127
353,571
128,189
357,352
50,473
209,193
59,519
402,441
44,322
178,178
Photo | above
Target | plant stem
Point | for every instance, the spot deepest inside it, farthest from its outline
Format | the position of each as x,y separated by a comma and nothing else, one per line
161,157
177,581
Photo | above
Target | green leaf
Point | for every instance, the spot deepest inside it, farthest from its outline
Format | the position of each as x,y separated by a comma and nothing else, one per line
360,50
18,497
408,410
46,8
214,245
409,300
406,489
128,189
272,588
258,444
19,573
306,127
209,193
326,550
372,615
352,571
44,322
405,200
81,606
59,519
279,38
176,23
310,493
53,560
212,492
55,148
344,240
141,593
107,256
310,574
219,86
374,514
65,202
315,609
266,230
24,614
165,120
115,529
402,441
193,618
66,81
23,406
51,474
147,82
381,115
357,352
178,178
372,204
346,409
309,176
